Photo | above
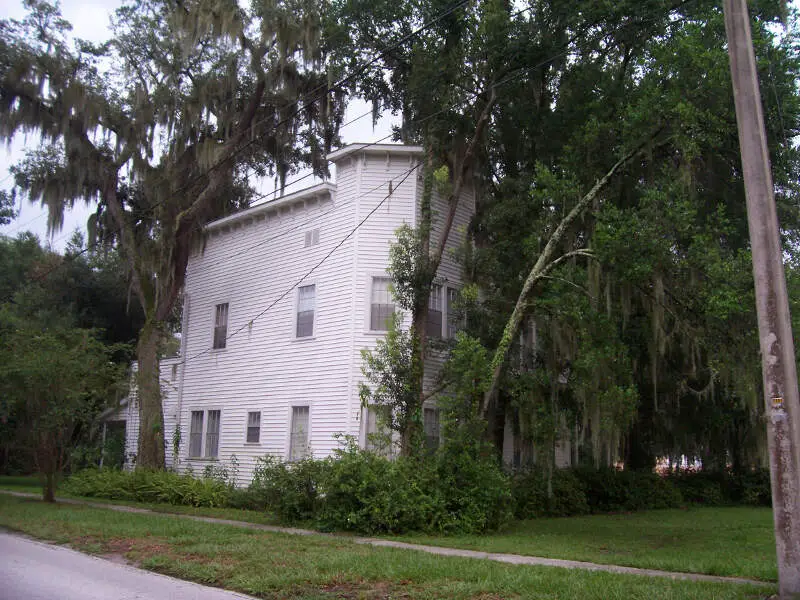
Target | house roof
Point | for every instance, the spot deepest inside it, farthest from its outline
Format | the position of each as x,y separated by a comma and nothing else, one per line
316,191
400,149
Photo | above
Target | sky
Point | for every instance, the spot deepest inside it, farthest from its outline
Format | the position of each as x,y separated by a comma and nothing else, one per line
90,21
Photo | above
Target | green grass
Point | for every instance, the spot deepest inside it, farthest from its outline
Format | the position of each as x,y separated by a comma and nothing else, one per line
731,541
271,565
29,484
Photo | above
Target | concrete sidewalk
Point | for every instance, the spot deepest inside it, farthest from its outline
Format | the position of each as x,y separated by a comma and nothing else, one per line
515,559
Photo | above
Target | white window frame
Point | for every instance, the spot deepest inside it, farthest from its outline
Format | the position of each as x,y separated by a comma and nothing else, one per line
370,286
216,305
289,457
388,450
311,238
247,426
204,434
438,422
306,284
446,318
435,298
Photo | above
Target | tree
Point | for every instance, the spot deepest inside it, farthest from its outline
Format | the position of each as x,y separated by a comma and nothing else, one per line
7,212
211,92
53,384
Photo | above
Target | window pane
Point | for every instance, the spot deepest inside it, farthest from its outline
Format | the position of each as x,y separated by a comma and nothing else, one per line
212,434
220,326
298,442
431,427
382,304
378,438
434,324
305,311
196,433
453,324
253,427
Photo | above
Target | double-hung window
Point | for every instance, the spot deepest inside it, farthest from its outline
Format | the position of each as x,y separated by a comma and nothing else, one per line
305,311
430,425
434,325
378,438
204,427
381,304
298,440
453,321
220,326
253,427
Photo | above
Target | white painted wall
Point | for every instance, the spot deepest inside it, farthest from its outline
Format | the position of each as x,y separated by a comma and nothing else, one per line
254,261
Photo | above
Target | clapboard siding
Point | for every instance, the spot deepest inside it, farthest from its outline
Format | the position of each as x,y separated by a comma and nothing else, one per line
253,261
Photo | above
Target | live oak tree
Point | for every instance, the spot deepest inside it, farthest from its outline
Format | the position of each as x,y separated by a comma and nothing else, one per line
162,127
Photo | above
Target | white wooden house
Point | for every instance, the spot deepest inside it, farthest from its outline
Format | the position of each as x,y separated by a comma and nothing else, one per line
278,305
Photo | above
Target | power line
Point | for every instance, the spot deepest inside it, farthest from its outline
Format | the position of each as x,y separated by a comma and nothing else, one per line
509,78
337,85
288,290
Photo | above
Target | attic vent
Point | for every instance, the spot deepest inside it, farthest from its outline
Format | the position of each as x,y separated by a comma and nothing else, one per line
312,237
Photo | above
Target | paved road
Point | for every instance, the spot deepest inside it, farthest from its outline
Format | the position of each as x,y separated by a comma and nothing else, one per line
34,571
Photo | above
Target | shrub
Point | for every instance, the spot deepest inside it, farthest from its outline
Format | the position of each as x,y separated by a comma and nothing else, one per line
290,490
368,493
751,487
147,486
473,488
610,490
531,498
701,487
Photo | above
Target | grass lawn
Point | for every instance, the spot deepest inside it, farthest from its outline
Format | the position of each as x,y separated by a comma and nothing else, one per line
271,565
732,541
30,484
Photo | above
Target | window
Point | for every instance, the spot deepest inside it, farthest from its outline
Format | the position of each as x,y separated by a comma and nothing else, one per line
253,427
298,442
378,437
196,434
211,434
221,326
382,304
305,311
430,425
312,238
453,321
434,326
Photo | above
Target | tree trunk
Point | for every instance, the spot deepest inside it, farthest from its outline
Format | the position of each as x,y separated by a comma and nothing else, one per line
151,412
543,265
49,491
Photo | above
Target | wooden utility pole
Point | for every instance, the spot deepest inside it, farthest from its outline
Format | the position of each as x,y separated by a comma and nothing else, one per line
772,304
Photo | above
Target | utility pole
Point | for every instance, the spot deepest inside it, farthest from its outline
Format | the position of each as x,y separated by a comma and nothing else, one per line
772,304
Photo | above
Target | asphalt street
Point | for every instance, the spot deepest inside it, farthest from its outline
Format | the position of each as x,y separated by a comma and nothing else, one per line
32,570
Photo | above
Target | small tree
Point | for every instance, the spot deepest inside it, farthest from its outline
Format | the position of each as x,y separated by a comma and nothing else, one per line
53,385
392,392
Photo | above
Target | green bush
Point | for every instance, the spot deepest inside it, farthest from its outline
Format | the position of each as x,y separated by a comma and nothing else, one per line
473,488
612,490
751,487
588,490
361,491
714,488
701,487
290,490
531,498
368,493
143,485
